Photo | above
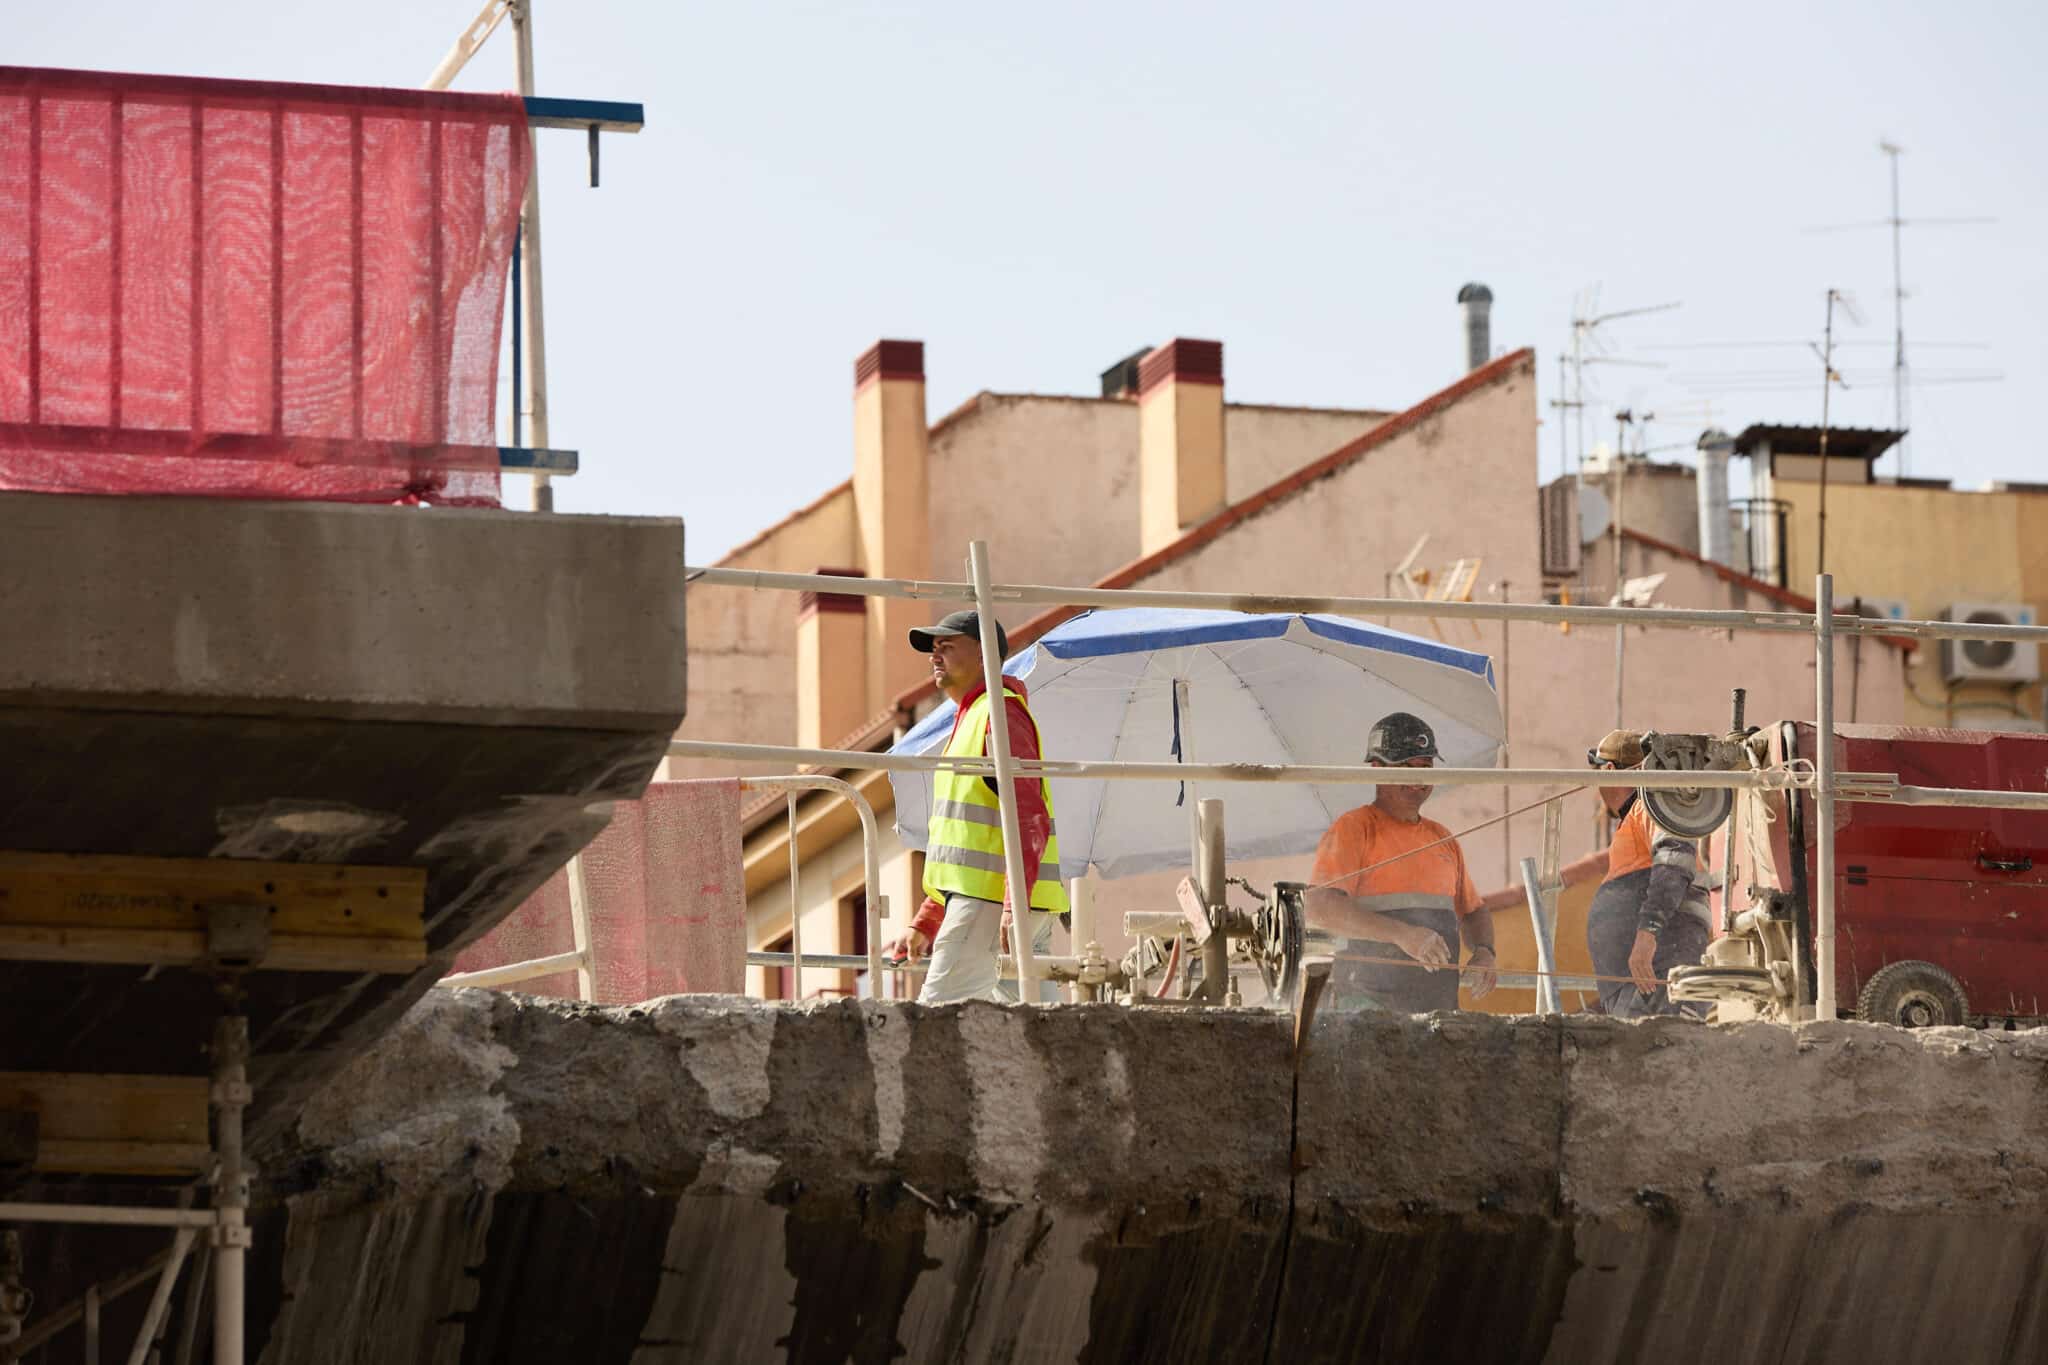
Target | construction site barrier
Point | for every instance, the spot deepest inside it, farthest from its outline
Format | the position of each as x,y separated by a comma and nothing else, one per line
1822,624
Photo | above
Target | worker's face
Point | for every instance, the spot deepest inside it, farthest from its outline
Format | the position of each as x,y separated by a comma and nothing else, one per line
1614,798
1403,801
956,664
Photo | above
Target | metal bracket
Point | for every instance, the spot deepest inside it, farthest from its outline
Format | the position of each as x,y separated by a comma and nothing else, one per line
1867,786
231,1235
231,1092
237,935
20,1138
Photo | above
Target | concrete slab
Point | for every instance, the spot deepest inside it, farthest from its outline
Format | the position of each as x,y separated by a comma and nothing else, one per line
458,691
705,1178
339,611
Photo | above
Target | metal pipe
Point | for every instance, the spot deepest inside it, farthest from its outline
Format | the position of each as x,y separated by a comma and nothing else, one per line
579,929
1898,795
1547,1001
1783,622
513,972
871,847
230,1097
1016,879
1081,906
466,46
1209,873
160,1301
106,1215
854,962
796,909
1824,795
92,1324
1769,779
535,342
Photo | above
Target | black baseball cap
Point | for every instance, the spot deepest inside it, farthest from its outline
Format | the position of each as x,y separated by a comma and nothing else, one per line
966,623
1399,737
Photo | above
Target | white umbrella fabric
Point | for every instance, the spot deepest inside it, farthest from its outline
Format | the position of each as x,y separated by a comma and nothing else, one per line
1156,684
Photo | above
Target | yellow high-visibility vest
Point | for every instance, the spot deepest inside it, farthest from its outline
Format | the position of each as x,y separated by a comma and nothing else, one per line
964,842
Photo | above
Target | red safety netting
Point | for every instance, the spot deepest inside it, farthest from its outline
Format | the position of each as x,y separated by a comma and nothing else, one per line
667,903
253,290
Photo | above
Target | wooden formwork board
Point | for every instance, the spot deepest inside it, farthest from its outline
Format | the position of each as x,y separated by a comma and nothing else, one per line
153,911
113,1125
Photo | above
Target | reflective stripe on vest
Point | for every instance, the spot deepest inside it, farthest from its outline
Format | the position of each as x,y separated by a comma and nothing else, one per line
964,840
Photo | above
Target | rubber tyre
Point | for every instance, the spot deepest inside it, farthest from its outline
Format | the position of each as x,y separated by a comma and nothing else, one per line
1913,995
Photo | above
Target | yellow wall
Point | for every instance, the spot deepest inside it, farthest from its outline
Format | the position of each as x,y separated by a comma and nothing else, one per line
1929,547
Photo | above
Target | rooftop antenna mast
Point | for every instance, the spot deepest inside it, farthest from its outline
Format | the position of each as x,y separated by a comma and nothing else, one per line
1586,322
1830,377
1901,399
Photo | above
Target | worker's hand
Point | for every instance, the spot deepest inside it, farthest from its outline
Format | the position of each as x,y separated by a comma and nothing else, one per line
913,945
1482,974
1425,946
1003,932
1642,961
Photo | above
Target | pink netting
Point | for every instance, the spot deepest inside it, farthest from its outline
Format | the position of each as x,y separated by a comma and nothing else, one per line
252,290
667,902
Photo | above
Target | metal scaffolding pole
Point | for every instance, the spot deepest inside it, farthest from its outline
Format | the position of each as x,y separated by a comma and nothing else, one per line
534,340
1678,618
231,1096
1824,796
1016,878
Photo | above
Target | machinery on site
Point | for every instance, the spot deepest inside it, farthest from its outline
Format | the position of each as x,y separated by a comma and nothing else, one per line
1941,912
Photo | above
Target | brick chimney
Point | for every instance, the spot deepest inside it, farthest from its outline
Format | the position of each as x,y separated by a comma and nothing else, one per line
1180,440
892,508
831,664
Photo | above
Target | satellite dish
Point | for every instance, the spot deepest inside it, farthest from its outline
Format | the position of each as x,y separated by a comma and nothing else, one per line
1595,513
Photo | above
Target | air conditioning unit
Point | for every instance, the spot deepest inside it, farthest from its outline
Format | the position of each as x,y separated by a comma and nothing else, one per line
1883,608
1560,525
1990,661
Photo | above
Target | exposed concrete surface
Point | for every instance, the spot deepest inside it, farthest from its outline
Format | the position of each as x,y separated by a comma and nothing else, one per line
397,614
710,1179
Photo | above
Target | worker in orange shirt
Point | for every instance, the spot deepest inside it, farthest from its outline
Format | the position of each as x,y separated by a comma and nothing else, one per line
1651,913
1393,885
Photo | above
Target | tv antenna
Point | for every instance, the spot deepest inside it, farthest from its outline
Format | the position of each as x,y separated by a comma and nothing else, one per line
1589,348
1829,378
1897,224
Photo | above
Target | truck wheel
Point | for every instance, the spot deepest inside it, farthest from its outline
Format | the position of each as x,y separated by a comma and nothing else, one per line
1913,995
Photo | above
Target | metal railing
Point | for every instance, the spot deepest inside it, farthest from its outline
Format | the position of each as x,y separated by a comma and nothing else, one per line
1821,624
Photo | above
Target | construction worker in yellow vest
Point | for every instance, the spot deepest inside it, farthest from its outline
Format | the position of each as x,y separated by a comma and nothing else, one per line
965,920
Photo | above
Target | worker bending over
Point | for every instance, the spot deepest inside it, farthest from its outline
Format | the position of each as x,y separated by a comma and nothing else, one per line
965,919
1651,913
1393,886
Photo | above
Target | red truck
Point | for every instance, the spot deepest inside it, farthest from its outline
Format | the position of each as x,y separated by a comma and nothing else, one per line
1941,913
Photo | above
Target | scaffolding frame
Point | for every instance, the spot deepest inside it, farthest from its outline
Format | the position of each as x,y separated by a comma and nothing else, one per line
1822,625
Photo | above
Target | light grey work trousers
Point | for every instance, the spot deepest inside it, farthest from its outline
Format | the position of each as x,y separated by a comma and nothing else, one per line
965,964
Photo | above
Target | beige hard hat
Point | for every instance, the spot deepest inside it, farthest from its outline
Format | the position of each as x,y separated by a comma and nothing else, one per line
1622,748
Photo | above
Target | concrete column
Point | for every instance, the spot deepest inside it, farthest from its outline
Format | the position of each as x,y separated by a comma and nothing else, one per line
892,506
831,664
1180,440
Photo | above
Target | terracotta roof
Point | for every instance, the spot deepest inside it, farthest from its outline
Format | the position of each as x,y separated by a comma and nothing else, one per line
1784,597
754,541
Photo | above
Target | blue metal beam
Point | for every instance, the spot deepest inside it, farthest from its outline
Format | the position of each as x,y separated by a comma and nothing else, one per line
533,460
607,115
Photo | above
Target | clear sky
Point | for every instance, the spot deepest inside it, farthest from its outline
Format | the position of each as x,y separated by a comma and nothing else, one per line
1037,190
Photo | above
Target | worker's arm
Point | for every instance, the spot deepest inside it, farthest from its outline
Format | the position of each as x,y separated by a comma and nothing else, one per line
1334,912
1475,926
1034,821
1673,864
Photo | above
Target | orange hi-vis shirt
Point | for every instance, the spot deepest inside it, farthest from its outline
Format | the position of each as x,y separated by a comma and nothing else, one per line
1368,836
1635,843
